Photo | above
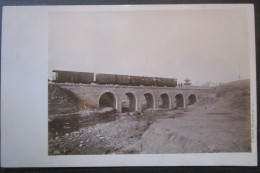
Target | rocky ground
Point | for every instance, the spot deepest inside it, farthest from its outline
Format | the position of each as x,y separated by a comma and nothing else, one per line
218,122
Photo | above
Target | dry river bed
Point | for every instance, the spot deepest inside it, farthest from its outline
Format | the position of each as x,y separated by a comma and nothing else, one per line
194,129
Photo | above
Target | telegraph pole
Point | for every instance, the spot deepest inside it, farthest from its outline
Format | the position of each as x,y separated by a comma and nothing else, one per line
239,77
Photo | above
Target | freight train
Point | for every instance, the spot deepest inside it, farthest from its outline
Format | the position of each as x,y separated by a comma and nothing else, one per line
88,78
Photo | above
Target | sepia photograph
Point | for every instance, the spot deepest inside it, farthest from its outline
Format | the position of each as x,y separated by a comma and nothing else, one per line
148,82
128,85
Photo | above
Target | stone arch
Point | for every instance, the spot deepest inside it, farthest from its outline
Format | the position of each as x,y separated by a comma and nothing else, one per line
192,99
165,101
107,99
149,101
179,100
129,105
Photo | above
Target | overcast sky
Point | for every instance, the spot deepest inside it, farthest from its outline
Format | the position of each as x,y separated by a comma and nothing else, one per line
204,45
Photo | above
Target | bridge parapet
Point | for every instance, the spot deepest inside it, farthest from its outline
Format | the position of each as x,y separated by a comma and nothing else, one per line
141,87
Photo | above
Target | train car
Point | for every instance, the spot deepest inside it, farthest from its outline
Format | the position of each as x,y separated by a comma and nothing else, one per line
122,79
135,80
73,77
171,82
157,81
168,82
64,76
161,82
105,78
174,82
147,81
85,77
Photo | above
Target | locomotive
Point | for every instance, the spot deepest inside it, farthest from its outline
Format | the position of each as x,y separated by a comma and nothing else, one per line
88,78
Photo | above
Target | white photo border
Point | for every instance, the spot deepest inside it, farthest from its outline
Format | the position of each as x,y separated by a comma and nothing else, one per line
24,91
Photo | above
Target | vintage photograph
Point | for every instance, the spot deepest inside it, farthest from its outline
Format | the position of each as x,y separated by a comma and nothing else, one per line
148,81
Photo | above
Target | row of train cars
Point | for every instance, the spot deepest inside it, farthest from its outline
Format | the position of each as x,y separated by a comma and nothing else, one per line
99,78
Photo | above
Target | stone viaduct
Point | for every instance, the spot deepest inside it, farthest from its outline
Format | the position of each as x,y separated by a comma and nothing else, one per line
96,96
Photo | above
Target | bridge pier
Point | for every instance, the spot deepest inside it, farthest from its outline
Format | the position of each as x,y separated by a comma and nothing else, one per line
118,106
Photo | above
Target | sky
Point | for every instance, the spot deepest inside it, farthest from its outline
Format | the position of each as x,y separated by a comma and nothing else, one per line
203,45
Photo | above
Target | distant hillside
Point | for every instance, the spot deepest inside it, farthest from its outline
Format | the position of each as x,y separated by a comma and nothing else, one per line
239,84
235,95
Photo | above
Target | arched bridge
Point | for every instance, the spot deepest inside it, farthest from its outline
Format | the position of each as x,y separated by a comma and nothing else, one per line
133,98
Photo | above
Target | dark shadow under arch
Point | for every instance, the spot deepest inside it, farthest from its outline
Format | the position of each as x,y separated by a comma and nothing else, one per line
129,105
107,99
165,101
179,101
192,99
149,101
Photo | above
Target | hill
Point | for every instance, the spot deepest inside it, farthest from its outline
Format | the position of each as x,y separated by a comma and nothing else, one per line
234,95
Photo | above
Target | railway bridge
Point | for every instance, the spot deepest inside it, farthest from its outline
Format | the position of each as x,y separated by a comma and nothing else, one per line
133,98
